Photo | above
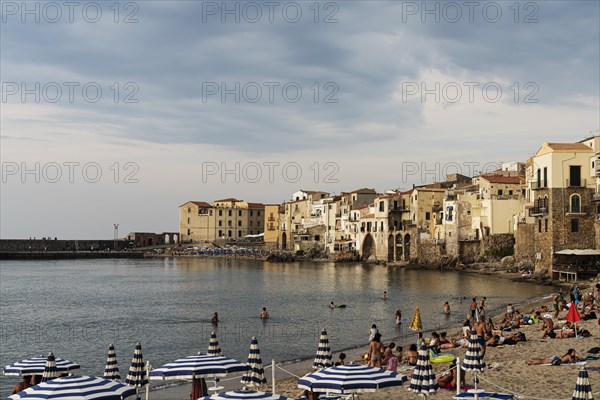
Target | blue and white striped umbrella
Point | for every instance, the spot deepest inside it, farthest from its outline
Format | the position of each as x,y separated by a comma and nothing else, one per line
583,389
50,371
255,376
76,388
213,346
201,366
423,379
473,358
323,357
351,378
246,395
35,366
111,371
136,376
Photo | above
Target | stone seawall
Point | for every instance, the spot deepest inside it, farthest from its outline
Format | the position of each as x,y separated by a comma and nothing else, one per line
49,245
59,255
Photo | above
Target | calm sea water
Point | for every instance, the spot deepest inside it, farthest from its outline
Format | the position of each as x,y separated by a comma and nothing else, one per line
76,308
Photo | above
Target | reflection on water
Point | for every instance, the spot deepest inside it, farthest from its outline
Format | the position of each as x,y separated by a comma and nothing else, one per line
75,308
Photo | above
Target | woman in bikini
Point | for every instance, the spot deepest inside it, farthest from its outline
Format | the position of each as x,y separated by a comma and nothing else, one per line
568,358
376,351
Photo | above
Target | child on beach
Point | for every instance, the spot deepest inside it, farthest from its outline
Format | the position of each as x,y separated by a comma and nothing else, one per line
412,355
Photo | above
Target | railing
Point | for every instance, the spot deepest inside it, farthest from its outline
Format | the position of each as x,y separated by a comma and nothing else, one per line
596,197
408,222
271,219
581,210
536,211
535,185
578,183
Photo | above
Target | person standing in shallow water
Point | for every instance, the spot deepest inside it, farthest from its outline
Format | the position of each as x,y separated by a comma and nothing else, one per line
446,308
385,296
398,317
264,314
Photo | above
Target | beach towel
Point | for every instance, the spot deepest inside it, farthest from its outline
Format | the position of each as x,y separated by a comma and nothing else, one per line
563,364
485,395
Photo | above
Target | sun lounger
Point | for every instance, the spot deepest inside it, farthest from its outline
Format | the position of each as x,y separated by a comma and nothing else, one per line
485,395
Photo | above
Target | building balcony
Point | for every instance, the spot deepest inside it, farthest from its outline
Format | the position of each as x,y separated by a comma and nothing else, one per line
583,210
408,222
536,185
579,183
596,197
271,219
538,211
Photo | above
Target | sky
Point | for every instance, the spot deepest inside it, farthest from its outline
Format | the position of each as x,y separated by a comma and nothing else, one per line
119,112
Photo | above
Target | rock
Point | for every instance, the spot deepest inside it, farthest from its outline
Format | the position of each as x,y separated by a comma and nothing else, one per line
508,261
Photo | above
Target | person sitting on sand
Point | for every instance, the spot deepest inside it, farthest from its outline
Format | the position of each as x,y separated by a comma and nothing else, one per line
342,359
497,340
308,394
412,355
400,353
434,343
567,331
388,353
376,351
548,327
264,314
568,358
448,379
392,363
24,384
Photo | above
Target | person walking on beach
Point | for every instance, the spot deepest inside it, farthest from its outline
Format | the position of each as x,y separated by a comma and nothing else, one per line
264,314
555,300
372,332
376,351
398,317
446,308
473,308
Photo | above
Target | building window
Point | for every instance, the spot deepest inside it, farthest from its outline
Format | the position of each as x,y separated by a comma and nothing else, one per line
239,213
220,213
189,232
545,177
546,225
258,213
540,226
510,192
574,225
239,233
229,213
427,216
539,177
574,176
317,238
381,206
210,212
500,192
240,223
251,223
381,227
220,233
189,219
220,224
575,203
228,233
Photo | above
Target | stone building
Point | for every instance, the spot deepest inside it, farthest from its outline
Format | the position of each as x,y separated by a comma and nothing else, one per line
561,187
226,219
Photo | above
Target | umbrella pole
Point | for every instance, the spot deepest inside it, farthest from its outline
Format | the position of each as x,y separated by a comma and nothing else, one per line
458,376
273,376
148,369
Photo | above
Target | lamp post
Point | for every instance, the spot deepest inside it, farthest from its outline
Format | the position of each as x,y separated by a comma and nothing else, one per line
116,235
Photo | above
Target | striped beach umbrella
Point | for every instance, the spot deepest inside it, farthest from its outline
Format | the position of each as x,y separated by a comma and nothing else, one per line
111,371
200,366
246,395
76,387
136,376
323,357
416,324
213,346
35,366
350,379
255,376
423,379
50,371
473,359
583,389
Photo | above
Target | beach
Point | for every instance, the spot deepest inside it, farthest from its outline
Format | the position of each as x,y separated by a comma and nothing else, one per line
507,372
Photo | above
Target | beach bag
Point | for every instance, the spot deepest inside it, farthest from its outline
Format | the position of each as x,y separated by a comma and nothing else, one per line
594,350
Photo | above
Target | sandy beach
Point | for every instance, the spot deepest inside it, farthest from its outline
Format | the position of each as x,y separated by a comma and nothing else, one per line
507,372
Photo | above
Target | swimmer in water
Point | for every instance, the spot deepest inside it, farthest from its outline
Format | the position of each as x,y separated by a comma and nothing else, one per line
264,314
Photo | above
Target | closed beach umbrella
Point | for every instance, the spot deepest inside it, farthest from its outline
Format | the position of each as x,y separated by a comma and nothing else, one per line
350,379
111,371
323,357
583,389
246,395
213,346
423,379
255,376
473,358
35,366
136,376
76,388
416,323
50,371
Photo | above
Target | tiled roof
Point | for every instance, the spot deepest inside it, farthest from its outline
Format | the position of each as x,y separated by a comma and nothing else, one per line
256,205
229,199
569,146
364,190
198,203
511,180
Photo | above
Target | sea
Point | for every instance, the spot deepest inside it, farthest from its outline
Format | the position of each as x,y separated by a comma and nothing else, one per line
76,308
